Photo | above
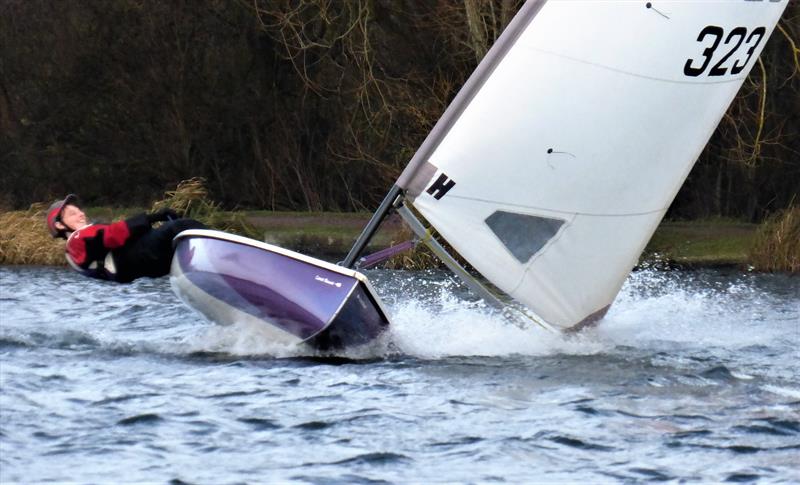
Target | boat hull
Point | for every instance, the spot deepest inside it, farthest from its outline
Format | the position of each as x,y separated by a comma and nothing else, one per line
293,298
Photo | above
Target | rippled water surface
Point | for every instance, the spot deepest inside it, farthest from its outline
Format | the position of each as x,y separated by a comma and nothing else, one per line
692,376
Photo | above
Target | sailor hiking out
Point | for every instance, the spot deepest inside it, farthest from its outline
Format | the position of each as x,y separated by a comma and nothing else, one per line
121,251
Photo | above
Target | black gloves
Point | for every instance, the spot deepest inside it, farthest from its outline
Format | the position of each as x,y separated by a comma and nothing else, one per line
162,215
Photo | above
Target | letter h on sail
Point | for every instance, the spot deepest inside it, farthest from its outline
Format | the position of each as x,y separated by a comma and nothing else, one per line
441,187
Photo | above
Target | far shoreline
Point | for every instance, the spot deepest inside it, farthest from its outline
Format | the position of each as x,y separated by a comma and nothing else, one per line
682,245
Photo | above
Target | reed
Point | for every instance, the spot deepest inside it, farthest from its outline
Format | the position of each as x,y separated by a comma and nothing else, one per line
418,258
191,199
24,238
777,243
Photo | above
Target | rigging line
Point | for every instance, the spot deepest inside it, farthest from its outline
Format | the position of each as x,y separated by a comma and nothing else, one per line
590,214
633,74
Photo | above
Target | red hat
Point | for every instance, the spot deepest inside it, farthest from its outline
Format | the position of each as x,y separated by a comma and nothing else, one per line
54,214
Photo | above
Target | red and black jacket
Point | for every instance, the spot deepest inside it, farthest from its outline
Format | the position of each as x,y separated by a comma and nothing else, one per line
90,250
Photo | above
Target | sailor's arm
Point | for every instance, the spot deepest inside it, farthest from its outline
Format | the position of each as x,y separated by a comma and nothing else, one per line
118,233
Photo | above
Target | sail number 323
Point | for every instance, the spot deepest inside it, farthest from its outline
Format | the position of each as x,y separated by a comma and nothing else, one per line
737,43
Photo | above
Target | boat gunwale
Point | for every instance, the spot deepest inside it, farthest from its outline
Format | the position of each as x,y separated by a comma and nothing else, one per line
224,236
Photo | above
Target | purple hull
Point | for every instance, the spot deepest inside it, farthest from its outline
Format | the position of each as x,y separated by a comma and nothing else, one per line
298,298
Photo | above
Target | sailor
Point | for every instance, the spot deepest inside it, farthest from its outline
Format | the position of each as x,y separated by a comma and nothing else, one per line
121,251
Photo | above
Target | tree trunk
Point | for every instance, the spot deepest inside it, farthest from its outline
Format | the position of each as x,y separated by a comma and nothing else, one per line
8,120
477,29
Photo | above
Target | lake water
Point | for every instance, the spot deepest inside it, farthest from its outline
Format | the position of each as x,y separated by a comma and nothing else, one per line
692,376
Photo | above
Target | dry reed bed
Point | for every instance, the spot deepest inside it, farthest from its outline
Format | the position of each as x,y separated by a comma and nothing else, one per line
24,238
777,244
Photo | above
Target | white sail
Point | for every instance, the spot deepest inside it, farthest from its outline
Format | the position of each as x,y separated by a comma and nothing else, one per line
552,169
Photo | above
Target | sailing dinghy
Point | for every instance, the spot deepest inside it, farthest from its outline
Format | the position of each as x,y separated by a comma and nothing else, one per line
548,173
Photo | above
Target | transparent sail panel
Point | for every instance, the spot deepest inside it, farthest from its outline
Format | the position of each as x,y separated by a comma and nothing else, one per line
523,235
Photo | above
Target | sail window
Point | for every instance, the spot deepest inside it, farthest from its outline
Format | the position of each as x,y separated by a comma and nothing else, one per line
522,234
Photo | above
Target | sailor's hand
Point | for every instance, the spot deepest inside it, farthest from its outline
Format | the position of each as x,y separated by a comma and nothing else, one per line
165,214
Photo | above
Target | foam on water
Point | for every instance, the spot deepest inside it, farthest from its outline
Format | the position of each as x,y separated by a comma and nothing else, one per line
678,307
783,391
435,319
654,308
465,328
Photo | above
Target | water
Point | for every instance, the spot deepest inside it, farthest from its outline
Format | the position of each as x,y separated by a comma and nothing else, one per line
692,376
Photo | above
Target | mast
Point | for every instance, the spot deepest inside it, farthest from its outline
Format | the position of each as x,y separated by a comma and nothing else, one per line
372,226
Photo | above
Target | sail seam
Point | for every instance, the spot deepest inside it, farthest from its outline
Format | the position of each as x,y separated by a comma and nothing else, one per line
577,213
632,74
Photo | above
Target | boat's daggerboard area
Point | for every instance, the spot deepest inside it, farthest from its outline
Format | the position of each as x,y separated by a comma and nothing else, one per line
294,297
554,173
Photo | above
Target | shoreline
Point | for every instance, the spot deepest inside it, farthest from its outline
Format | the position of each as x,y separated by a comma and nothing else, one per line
685,245
329,235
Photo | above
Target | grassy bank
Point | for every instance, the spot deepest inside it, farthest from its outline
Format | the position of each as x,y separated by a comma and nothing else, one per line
705,243
693,244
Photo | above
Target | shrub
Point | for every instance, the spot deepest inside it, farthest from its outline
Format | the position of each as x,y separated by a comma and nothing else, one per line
777,243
